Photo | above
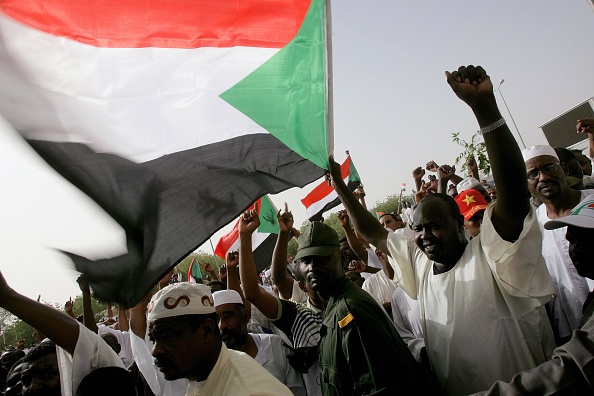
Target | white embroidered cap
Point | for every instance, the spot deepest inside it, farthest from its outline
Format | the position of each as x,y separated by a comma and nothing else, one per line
467,184
183,298
581,216
226,297
537,151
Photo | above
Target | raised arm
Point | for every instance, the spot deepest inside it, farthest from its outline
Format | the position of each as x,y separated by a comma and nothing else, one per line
88,316
280,276
264,301
360,266
473,86
369,228
386,267
360,195
352,239
208,267
56,325
109,310
456,179
444,175
138,316
123,323
223,274
231,262
417,175
432,166
586,125
472,167
68,308
296,233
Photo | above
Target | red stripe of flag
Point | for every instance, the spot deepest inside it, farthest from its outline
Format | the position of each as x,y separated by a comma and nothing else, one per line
147,23
229,239
190,270
323,189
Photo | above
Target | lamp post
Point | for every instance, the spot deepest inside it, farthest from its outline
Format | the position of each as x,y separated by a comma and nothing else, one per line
510,114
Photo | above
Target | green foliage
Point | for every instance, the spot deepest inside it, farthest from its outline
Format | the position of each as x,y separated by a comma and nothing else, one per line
14,329
332,221
292,248
201,257
20,330
477,148
329,219
99,307
389,205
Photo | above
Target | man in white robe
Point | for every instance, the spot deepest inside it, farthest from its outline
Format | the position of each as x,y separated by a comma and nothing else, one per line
547,181
482,302
187,344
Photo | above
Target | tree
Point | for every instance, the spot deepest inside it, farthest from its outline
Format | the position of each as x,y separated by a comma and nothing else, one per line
6,322
389,205
201,257
99,307
477,148
20,330
332,221
14,329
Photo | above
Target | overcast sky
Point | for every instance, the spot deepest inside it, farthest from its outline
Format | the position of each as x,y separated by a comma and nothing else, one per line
393,111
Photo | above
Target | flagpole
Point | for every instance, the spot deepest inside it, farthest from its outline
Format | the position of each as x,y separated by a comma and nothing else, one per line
211,246
213,250
330,80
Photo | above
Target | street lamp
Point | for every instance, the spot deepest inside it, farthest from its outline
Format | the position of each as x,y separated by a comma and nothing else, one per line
510,114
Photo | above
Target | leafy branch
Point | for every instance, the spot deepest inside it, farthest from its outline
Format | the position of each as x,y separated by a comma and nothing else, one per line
476,147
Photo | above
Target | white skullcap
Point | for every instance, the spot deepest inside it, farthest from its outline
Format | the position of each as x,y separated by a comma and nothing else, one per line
467,184
183,298
226,297
267,273
581,216
537,151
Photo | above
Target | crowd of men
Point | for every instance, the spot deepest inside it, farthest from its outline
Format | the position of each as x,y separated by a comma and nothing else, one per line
476,288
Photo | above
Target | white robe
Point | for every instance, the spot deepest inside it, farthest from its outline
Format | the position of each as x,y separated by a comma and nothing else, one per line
237,374
90,353
380,287
483,320
571,289
406,314
272,355
123,338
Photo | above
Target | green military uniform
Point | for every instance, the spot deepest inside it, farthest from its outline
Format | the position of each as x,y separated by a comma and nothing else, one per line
361,352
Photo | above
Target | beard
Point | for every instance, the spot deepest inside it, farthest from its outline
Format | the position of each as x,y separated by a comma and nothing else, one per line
234,340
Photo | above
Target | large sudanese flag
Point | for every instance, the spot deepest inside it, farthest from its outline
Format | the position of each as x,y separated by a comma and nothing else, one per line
263,240
174,116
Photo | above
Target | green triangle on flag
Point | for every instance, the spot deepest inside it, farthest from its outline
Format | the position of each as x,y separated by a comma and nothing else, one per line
267,212
287,95
353,174
195,270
